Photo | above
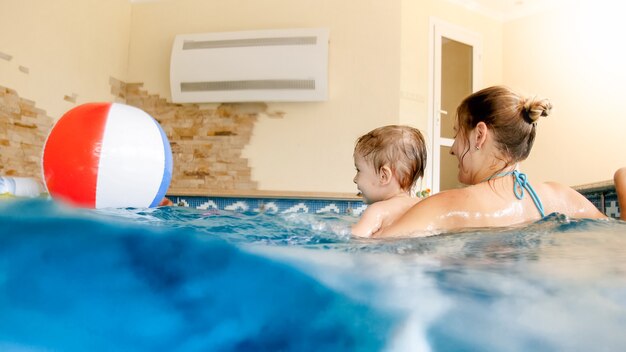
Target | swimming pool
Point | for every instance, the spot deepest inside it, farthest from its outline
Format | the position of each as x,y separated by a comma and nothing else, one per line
176,278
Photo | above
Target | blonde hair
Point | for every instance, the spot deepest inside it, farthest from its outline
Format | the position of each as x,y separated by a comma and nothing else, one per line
401,148
511,117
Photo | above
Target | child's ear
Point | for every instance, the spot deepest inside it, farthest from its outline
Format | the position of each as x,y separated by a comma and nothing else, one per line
385,175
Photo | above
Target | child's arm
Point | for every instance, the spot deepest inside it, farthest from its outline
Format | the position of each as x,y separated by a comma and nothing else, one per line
370,222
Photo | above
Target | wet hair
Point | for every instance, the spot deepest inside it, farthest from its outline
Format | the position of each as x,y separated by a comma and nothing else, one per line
402,148
511,118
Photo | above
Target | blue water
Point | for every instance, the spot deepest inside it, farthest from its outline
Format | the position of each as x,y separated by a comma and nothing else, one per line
179,279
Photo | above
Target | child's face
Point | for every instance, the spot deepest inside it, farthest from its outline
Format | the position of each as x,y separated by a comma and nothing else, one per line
367,181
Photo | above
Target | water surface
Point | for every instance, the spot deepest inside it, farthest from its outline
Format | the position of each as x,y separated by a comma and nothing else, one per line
175,278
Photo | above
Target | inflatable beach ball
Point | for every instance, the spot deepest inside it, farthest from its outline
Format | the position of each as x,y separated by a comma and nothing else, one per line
102,155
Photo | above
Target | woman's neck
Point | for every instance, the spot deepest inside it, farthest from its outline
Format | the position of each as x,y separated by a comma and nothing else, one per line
494,173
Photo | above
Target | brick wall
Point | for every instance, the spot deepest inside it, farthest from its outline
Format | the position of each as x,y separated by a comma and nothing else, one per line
23,131
206,143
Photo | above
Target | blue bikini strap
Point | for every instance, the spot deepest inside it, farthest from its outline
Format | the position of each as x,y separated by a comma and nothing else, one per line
520,184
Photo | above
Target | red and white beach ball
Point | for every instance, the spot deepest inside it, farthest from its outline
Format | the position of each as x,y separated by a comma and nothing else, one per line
101,155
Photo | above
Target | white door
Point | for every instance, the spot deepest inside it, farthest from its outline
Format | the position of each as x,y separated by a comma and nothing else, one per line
456,73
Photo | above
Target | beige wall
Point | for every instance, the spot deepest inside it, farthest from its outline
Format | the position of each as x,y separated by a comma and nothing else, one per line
378,74
310,148
63,53
69,48
574,56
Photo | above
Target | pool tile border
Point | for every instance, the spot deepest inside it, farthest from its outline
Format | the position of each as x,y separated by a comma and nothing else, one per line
605,199
272,205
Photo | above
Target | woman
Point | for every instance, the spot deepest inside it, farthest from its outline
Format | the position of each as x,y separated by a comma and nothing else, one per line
495,130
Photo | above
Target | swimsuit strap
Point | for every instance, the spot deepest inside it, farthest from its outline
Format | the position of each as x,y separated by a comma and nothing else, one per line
520,183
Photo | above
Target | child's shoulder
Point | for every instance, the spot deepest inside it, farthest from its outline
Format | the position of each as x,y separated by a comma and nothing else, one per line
400,201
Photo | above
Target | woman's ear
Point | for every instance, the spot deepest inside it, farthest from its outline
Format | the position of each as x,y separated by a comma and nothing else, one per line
385,175
481,134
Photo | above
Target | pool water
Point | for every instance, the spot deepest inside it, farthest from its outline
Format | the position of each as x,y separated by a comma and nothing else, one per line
181,279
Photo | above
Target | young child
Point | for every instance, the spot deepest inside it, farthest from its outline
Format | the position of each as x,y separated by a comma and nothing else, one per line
388,161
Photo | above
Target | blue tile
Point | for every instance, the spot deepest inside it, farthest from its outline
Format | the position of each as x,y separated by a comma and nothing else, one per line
343,207
274,205
611,205
605,200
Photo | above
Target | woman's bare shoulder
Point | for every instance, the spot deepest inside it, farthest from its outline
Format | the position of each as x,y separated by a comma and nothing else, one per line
559,191
560,198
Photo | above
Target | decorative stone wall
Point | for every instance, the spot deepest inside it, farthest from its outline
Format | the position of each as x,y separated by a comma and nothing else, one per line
206,143
23,132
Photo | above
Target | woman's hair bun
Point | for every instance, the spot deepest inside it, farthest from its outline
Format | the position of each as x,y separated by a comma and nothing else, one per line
536,107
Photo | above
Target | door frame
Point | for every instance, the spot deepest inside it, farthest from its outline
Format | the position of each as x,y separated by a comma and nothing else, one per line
438,29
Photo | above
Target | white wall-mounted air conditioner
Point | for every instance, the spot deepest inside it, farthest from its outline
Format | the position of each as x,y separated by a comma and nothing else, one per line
266,65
